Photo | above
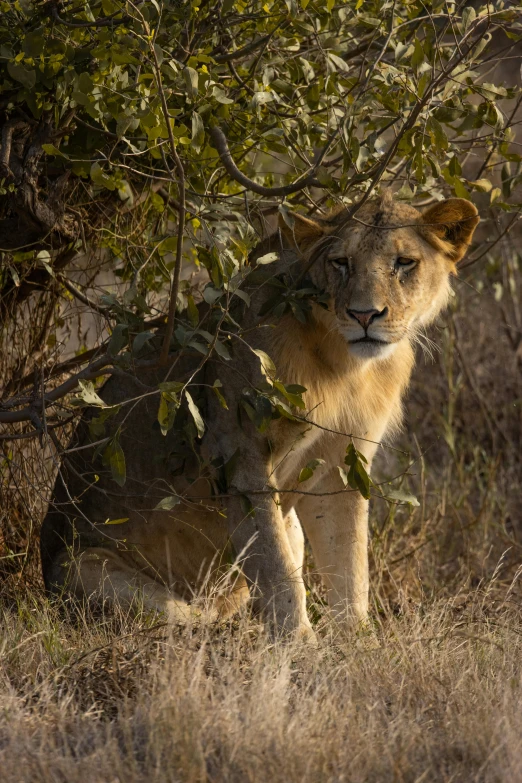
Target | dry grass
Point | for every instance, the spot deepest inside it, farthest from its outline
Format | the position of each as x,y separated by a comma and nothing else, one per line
432,695
430,691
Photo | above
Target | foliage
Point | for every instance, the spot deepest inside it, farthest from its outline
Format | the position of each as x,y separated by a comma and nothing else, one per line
167,133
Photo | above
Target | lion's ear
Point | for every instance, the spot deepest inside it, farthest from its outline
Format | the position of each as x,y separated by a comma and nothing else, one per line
301,231
449,226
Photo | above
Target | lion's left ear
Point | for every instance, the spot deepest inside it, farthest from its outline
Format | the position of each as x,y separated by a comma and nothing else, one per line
301,231
449,226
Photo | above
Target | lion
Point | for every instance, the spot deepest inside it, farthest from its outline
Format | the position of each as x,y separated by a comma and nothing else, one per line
221,512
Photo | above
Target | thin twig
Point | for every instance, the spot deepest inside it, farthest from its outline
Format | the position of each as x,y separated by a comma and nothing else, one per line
383,49
455,60
82,297
485,252
169,330
36,433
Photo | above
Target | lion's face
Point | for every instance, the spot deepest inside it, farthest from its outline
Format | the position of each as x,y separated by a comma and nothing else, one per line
387,271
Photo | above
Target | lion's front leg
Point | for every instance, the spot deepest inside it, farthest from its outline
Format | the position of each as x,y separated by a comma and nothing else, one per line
337,528
267,542
260,537
268,563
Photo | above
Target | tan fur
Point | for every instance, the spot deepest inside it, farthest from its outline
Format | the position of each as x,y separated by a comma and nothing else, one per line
354,388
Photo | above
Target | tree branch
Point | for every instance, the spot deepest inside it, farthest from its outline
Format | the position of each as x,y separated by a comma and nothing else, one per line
220,142
74,361
88,374
8,131
244,51
34,220
108,21
81,297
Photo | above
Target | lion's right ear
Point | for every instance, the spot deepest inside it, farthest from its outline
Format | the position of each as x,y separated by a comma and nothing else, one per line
301,231
449,226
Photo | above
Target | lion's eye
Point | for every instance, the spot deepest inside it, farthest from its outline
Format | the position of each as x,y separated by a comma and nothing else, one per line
339,263
405,263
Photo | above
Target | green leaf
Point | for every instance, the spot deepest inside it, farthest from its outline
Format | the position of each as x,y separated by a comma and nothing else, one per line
50,149
163,415
167,410
192,310
401,497
196,415
352,455
309,470
268,258
343,475
357,476
44,258
85,83
491,91
26,76
14,275
403,51
88,395
220,96
171,386
468,16
141,339
305,474
222,350
191,81
198,131
116,521
460,190
417,57
167,503
285,411
119,339
99,177
110,7
439,137
216,389
294,398
34,44
97,423
259,409
268,367
484,185
259,98
115,458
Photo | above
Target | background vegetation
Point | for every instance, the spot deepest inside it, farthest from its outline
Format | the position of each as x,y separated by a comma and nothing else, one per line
145,149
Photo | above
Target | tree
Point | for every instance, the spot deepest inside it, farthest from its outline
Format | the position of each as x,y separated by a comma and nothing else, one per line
166,133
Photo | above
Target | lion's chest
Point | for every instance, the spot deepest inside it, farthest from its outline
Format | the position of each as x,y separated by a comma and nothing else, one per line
336,415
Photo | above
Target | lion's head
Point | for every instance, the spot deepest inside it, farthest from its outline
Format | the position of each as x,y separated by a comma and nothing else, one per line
387,269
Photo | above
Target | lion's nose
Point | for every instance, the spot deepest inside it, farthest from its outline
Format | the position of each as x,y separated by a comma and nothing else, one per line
366,317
